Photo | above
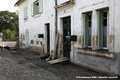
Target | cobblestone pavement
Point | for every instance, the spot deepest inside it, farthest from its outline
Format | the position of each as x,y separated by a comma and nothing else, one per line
26,65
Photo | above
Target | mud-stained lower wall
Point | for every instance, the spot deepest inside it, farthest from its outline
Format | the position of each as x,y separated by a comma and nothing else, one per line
21,38
80,41
111,43
34,48
94,42
97,63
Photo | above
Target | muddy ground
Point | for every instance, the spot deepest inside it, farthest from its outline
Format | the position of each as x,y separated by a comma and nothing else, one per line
27,65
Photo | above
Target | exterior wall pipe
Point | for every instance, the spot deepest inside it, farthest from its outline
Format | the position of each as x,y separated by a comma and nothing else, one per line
55,18
56,27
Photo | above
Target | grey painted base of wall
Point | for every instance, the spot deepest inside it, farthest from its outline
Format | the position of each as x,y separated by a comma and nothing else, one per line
34,48
97,63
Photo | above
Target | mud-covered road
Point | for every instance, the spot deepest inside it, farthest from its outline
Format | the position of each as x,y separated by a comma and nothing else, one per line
26,65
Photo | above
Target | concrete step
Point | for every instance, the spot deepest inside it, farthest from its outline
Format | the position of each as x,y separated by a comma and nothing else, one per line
58,60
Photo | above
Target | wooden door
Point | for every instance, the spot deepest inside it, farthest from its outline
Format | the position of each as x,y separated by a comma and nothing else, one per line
66,36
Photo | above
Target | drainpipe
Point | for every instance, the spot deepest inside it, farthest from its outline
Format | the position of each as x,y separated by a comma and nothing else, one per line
56,27
55,18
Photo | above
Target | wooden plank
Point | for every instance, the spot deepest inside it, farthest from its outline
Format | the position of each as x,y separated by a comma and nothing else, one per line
58,60
42,49
55,47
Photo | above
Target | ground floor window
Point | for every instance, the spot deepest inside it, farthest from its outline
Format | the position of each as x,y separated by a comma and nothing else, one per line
102,29
87,28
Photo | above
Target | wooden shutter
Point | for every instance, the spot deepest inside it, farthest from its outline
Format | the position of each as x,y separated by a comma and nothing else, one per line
40,6
100,32
85,30
27,37
32,10
25,13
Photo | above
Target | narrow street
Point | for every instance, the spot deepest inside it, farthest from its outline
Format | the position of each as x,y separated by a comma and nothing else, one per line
26,65
59,40
15,67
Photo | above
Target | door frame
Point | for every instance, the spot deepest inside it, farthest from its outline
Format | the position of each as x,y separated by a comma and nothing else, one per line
46,39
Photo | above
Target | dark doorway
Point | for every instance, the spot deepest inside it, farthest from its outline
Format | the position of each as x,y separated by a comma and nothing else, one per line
66,36
48,37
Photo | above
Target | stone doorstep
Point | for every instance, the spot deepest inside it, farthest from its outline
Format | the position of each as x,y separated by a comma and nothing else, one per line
58,60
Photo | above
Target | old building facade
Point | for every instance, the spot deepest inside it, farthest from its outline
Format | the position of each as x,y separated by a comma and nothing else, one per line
89,30
36,20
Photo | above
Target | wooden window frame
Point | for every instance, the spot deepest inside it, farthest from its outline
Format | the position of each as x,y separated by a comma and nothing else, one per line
91,28
100,30
107,28
85,29
34,5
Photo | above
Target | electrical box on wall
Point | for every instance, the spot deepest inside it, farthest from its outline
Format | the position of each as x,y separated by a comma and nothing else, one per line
73,37
40,35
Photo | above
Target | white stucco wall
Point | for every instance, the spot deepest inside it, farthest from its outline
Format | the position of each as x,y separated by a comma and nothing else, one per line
36,24
113,24
81,6
75,11
116,29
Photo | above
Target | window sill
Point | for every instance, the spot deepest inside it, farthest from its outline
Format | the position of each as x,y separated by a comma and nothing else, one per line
65,3
37,15
98,53
25,20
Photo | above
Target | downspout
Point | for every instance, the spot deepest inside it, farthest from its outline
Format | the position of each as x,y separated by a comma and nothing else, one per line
55,18
56,27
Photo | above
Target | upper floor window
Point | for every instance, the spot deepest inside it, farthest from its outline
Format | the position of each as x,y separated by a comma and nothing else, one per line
87,29
37,7
102,29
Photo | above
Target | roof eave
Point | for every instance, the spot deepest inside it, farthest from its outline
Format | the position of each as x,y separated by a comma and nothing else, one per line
18,2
